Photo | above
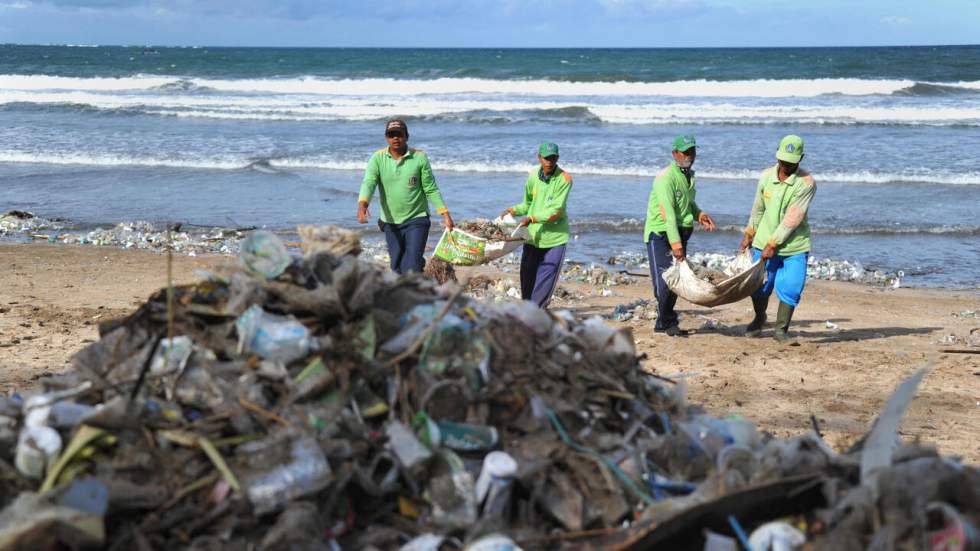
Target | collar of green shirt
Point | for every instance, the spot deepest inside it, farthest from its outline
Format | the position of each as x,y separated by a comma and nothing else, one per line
554,173
408,153
689,176
791,181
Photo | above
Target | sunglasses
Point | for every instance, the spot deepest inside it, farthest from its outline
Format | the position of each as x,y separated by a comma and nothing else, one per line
394,134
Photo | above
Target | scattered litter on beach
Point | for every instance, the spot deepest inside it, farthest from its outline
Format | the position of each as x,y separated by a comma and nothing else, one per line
194,240
817,268
640,309
710,324
595,276
336,405
144,235
18,222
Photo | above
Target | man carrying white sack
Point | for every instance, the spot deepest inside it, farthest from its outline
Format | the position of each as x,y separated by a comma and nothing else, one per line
779,233
671,213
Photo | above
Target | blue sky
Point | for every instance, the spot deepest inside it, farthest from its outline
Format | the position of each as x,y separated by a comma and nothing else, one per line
501,23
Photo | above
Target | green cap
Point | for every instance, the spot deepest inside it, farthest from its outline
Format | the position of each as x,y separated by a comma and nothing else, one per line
790,149
547,149
683,143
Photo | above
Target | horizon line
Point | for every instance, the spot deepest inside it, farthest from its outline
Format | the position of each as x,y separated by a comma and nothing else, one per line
200,46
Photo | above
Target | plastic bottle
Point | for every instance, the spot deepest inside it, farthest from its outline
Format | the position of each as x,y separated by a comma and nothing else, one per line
451,493
411,453
467,437
306,473
273,337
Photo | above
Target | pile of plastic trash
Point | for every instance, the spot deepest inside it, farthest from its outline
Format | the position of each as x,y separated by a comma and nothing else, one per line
18,222
144,235
324,403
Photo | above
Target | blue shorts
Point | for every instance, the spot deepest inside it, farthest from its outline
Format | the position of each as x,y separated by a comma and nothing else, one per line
787,274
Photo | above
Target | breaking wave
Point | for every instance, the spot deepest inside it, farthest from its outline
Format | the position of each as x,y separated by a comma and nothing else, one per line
769,88
331,162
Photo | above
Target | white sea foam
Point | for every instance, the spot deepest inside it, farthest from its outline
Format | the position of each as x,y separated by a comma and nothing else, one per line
310,108
415,87
329,163
86,159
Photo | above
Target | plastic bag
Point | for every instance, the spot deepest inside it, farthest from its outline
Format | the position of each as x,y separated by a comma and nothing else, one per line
745,277
263,254
465,249
272,337
306,473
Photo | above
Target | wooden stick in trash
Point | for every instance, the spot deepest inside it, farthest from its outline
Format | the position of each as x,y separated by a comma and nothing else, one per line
570,535
259,410
959,351
411,350
170,295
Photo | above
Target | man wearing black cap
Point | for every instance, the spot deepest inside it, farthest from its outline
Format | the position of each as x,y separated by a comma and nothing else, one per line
407,186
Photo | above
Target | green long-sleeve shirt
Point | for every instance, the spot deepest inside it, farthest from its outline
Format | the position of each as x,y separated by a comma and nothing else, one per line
545,202
779,212
407,185
671,204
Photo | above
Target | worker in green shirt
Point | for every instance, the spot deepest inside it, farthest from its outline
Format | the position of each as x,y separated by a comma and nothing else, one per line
545,213
671,213
778,231
406,186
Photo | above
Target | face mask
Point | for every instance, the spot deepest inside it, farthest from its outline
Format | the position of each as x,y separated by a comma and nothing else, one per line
685,164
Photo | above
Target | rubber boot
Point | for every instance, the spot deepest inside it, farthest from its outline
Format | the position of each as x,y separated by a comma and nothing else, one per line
783,317
754,329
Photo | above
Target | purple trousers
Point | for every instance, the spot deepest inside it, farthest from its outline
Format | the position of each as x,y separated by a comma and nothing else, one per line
540,269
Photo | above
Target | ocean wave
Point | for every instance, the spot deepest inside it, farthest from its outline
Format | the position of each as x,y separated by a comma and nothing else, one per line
87,159
767,88
183,86
936,89
324,162
728,113
494,111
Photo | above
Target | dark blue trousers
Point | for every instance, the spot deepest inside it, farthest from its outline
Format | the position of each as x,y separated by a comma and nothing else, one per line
661,258
540,269
406,243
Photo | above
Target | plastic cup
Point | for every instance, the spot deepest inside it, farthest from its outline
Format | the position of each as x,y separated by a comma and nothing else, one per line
498,468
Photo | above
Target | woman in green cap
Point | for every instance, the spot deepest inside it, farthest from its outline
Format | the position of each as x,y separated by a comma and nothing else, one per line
778,231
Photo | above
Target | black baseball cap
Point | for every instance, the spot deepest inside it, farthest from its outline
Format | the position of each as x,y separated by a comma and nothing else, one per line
396,125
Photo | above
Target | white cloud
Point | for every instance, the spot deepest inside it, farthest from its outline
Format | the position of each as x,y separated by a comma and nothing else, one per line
14,5
896,20
650,7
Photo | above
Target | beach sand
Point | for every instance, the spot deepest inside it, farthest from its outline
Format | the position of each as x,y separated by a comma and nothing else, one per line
53,297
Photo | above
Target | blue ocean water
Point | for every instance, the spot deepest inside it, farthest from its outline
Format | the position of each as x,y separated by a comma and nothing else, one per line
277,137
